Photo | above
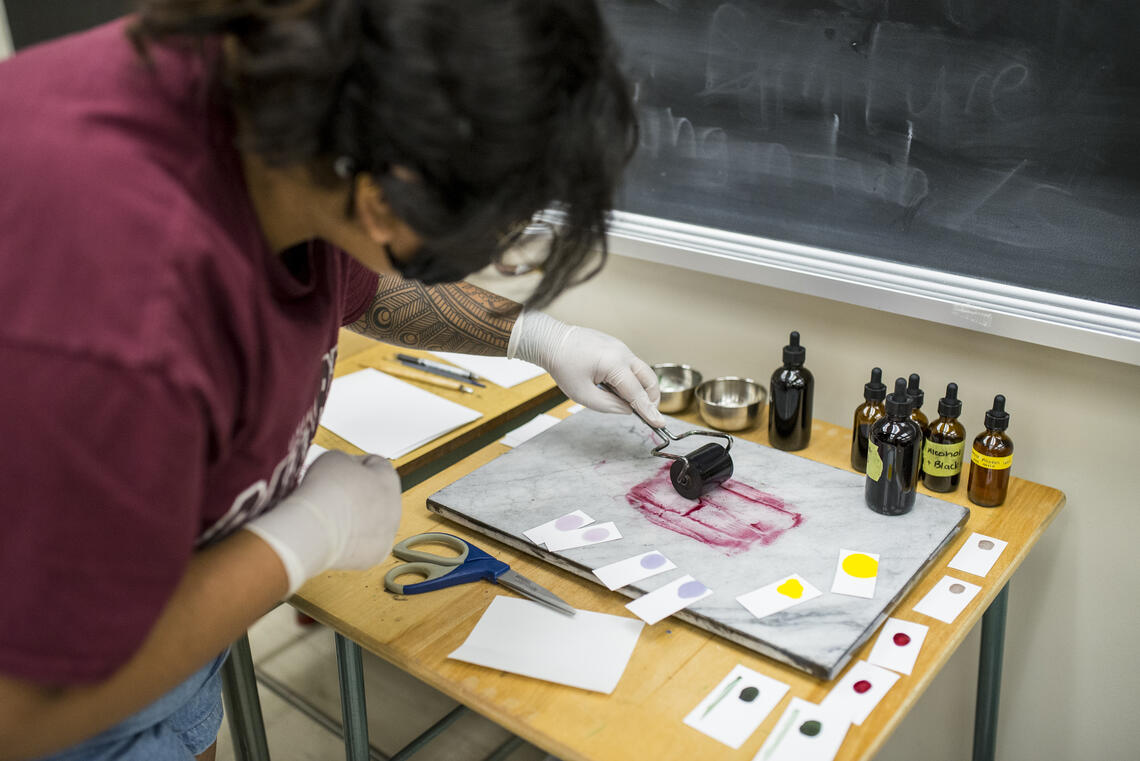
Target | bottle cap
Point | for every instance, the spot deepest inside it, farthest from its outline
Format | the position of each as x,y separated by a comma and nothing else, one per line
898,403
998,419
794,353
916,394
875,391
950,405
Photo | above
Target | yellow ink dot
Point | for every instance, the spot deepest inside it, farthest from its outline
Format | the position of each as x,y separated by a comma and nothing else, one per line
860,566
791,588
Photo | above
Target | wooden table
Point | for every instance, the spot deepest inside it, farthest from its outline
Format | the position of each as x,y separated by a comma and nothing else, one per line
501,408
674,665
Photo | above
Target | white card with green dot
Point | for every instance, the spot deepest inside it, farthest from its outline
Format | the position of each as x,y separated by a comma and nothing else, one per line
736,706
806,732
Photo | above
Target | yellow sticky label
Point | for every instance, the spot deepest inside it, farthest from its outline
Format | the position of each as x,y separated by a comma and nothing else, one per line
991,463
942,459
874,462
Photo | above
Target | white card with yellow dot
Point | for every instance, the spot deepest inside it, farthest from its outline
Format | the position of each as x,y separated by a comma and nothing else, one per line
806,732
779,595
855,574
736,706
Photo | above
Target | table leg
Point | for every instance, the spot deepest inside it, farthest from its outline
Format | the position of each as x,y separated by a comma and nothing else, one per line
989,677
243,708
350,665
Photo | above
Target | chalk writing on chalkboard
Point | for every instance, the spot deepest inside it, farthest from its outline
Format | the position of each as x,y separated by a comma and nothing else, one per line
997,139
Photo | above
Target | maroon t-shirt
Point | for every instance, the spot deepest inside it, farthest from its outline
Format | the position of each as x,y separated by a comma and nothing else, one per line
161,371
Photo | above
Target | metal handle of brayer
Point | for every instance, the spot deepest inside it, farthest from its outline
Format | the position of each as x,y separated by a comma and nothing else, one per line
664,433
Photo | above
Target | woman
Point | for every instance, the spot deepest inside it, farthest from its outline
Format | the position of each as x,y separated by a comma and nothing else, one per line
198,197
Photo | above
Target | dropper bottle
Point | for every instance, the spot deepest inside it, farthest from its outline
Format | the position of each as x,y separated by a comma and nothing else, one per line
790,398
867,413
893,454
945,444
917,396
991,458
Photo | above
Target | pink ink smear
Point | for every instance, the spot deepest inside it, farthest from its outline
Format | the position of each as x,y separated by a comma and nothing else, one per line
732,517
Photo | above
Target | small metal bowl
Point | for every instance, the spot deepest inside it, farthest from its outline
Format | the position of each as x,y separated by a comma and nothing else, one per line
730,403
676,383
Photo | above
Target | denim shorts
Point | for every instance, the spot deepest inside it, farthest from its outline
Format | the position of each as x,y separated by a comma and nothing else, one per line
178,726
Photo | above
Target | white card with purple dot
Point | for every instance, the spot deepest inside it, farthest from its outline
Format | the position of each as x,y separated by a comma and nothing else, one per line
582,537
855,574
978,554
779,595
947,599
898,645
736,706
634,569
568,522
667,600
859,691
806,732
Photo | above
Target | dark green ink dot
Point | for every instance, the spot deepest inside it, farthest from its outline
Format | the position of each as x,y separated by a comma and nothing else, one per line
810,728
748,694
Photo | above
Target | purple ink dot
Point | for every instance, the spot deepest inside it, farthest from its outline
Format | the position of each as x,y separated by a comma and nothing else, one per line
691,589
655,560
567,522
596,534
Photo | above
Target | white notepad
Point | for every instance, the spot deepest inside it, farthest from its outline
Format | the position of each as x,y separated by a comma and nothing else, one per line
499,370
385,416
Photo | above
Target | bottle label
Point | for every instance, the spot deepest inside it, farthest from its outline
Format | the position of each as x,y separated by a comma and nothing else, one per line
874,462
943,459
991,463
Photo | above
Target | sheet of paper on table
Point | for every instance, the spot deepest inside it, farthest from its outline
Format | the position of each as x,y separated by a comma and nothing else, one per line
385,416
588,650
733,710
499,370
529,430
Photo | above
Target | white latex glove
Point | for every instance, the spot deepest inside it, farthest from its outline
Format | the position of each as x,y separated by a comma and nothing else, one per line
343,515
580,358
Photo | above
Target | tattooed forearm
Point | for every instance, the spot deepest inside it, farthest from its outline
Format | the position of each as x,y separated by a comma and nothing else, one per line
457,317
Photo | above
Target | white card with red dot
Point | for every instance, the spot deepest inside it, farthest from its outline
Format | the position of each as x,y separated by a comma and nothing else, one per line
583,537
667,600
560,525
779,595
978,554
859,691
735,707
947,599
806,732
634,569
898,645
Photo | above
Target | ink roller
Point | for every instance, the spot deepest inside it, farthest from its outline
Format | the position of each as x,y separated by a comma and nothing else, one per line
701,470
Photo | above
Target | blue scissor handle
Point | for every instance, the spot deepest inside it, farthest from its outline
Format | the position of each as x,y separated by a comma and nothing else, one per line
472,564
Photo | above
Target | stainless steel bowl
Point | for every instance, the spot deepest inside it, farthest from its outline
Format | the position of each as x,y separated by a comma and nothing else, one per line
730,403
677,383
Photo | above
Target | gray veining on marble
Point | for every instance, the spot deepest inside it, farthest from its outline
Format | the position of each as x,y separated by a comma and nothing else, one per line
593,461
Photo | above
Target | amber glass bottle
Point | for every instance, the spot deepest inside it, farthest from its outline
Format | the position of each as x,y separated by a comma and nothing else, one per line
991,458
893,453
867,413
945,444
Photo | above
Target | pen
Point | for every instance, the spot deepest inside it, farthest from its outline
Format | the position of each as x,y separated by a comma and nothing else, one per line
438,369
437,365
419,377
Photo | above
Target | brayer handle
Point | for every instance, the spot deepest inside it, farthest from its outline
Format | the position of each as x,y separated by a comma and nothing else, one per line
660,431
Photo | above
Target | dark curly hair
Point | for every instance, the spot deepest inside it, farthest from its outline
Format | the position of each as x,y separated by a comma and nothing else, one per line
501,109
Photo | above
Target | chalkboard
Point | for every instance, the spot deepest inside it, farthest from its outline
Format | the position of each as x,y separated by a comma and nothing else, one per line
997,139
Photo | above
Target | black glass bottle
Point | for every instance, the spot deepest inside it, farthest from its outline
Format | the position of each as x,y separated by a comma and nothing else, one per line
894,452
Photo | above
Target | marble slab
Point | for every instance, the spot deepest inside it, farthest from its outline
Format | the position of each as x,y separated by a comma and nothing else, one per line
779,514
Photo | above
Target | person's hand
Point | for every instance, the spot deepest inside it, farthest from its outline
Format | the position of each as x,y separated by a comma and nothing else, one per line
343,515
580,358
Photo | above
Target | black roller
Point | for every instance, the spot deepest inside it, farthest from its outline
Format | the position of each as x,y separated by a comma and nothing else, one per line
709,466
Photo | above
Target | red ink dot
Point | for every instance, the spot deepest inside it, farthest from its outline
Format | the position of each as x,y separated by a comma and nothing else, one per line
902,640
862,686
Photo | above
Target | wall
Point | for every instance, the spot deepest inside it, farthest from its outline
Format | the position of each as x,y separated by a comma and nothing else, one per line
1070,660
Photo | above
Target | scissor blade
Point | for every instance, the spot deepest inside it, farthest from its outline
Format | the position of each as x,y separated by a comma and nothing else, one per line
527,588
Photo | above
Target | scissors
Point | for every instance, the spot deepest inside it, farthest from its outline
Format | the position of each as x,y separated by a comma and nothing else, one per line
471,564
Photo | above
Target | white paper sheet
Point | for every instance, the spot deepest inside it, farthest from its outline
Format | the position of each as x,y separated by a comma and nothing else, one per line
561,524
898,645
529,430
947,599
499,370
667,600
634,569
805,732
859,691
779,595
385,416
978,554
736,706
582,537
589,650
855,573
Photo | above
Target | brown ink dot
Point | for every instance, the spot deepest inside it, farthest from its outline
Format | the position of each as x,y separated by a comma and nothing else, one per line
986,544
957,589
